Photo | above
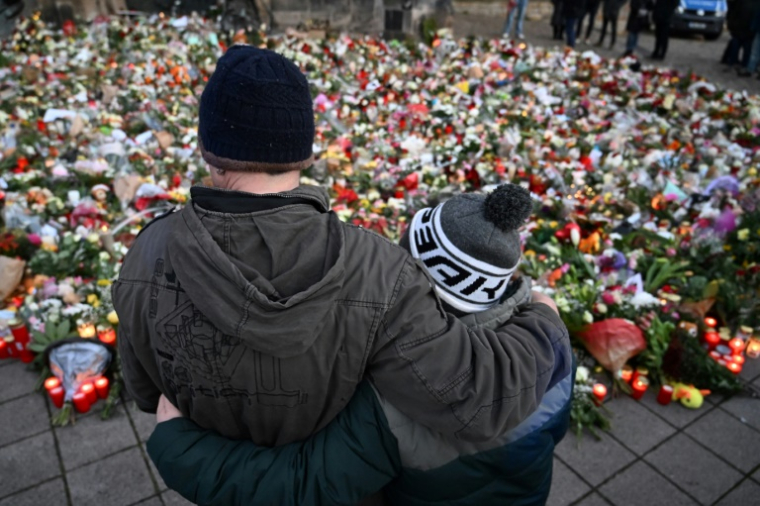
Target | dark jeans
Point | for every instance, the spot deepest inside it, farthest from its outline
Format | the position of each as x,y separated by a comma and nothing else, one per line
612,23
570,31
662,36
736,47
592,7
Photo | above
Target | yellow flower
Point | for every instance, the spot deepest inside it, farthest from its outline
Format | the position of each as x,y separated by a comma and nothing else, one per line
743,234
113,318
93,300
727,247
104,282
530,253
553,224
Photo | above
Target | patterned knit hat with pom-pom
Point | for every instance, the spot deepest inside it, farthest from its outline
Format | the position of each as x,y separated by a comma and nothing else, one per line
470,245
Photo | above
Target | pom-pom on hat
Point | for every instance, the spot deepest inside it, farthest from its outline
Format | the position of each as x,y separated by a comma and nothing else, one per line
470,245
256,113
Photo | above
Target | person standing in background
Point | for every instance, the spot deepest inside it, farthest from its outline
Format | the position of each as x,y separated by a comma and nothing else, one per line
739,22
558,20
591,8
638,20
611,12
754,58
517,10
662,14
572,10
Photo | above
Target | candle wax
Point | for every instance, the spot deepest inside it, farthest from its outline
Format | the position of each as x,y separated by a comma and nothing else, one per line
89,390
56,396
81,402
101,386
665,395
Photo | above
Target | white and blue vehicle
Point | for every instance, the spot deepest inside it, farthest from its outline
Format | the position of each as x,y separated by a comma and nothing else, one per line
705,17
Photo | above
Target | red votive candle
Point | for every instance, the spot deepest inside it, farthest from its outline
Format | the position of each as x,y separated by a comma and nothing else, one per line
107,335
739,359
11,345
26,356
600,392
19,331
734,367
665,395
640,386
81,402
626,373
737,345
56,396
712,339
4,353
51,383
89,390
711,322
101,386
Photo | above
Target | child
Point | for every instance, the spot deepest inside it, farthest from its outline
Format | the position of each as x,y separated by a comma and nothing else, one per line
470,246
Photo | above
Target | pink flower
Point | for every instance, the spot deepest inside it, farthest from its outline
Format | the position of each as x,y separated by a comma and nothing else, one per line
608,298
34,239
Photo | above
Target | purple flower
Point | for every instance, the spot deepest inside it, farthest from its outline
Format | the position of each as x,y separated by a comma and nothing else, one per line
727,183
725,223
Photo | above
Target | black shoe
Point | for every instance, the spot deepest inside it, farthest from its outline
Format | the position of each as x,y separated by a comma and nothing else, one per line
743,72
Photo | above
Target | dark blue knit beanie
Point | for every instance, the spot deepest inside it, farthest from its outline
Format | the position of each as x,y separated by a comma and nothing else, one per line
256,113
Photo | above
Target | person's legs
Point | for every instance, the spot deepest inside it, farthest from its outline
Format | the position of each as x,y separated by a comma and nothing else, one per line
508,23
593,10
665,34
522,7
731,51
754,58
631,43
570,29
745,46
613,29
604,32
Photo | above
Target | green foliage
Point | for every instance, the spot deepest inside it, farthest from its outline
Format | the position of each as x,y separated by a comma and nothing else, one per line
658,337
688,362
76,256
585,414
428,30
661,271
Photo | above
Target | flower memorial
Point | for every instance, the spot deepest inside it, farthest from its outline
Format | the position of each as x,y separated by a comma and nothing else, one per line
645,230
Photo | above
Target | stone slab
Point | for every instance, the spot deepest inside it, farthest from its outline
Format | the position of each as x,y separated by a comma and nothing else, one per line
27,463
567,487
745,408
51,492
748,492
695,469
119,480
594,461
638,428
640,485
91,438
728,437
16,380
23,417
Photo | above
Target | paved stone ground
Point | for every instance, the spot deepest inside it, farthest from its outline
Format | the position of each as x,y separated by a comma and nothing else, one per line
655,455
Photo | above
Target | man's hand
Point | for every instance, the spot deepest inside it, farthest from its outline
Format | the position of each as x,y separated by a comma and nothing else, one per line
166,410
537,297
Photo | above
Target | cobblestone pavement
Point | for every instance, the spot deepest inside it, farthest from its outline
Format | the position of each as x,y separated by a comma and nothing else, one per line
655,455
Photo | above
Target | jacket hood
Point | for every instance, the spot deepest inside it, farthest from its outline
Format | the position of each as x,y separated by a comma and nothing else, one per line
249,307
